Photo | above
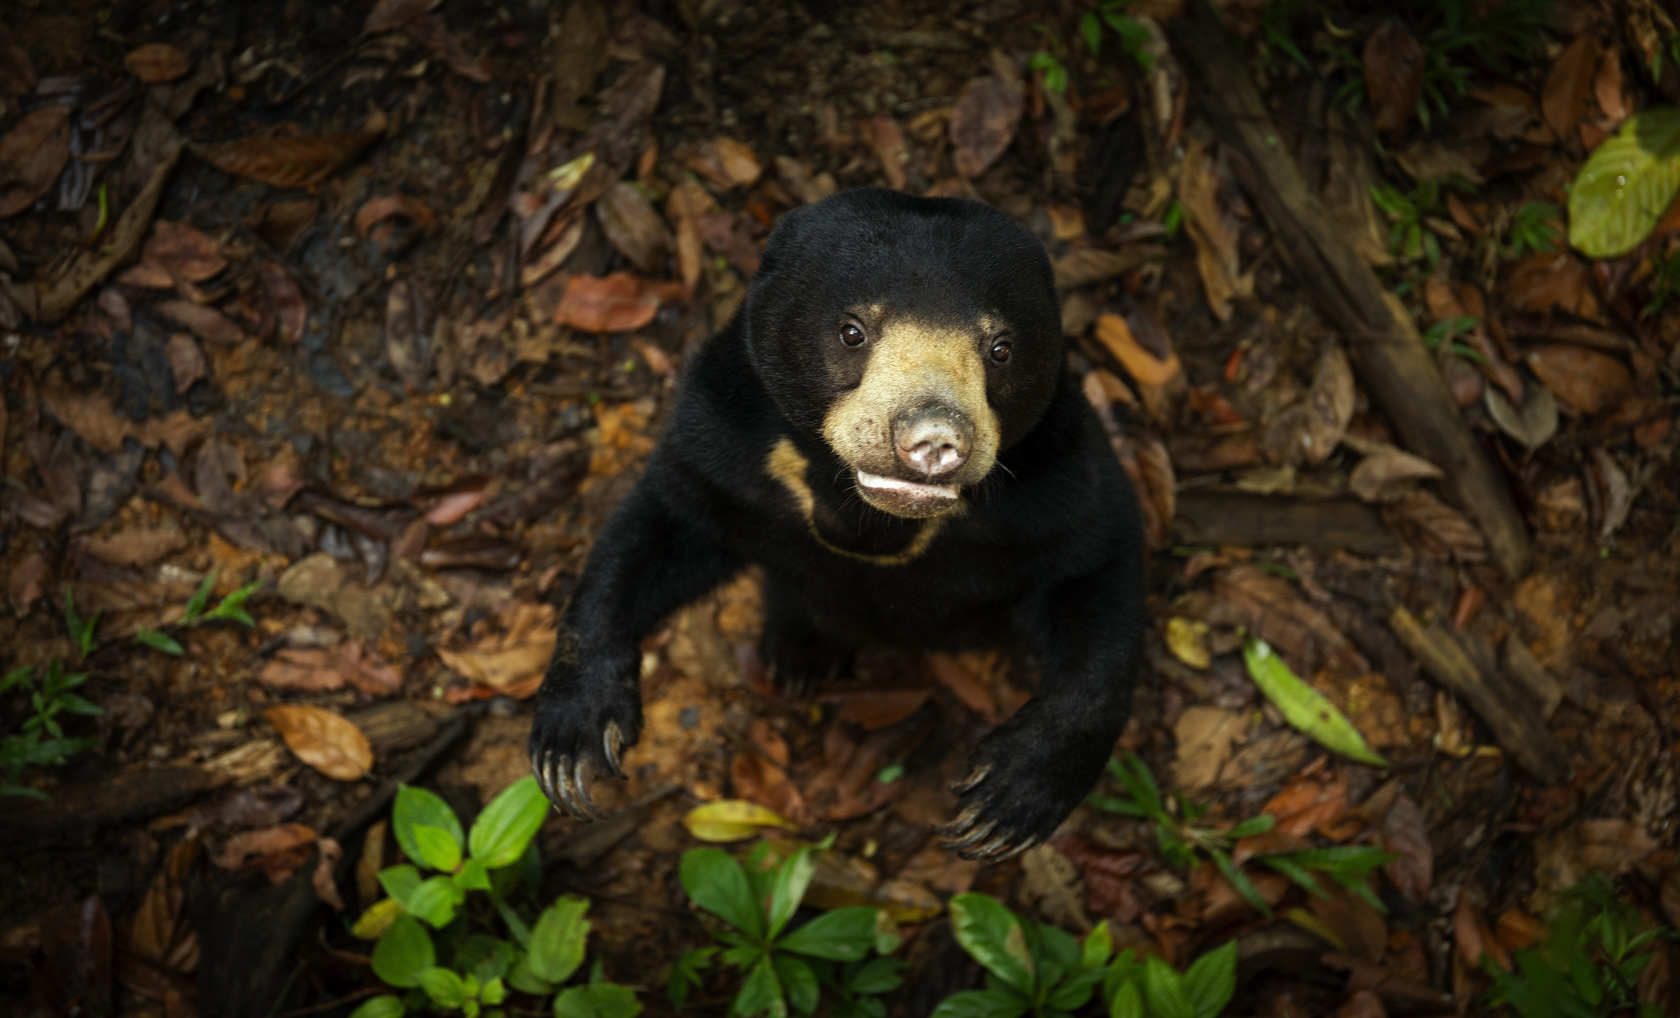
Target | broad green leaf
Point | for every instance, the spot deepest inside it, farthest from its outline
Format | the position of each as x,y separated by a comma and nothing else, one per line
472,876
414,807
1212,979
717,884
1098,947
399,882
887,936
732,820
435,901
983,1004
597,1000
1305,707
383,1006
799,982
494,991
792,877
159,641
444,987
993,936
1073,993
403,952
1626,185
508,824
761,992
438,848
878,975
1164,989
845,934
1127,1002
482,956
373,923
521,978
1056,945
557,940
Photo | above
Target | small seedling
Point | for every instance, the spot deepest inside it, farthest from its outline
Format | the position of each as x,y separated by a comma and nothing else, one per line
1134,37
40,740
1534,228
1443,332
1665,283
198,612
81,630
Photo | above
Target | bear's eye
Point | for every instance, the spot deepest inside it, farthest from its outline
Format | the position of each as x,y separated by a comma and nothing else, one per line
1000,351
851,335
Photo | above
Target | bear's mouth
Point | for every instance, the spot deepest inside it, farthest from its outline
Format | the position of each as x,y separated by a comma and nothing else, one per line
906,498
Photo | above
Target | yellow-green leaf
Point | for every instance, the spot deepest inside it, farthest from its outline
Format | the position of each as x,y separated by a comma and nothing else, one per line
373,922
1305,707
732,820
1626,185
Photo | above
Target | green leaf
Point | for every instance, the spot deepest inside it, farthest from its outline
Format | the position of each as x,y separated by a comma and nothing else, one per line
1212,979
1165,991
494,991
597,1000
159,641
444,987
438,848
472,876
435,901
993,936
1073,992
15,677
1098,947
1127,1002
200,598
417,807
799,982
1240,881
403,951
983,1004
508,824
399,882
792,877
1626,185
878,975
1305,707
1090,29
1252,826
761,992
845,934
557,940
685,974
383,1006
717,884
231,607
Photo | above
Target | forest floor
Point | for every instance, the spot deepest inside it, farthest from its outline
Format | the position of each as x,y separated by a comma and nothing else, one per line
370,313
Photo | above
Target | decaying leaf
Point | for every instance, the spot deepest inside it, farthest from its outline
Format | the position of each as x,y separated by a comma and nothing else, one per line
389,14
1436,527
1205,736
286,299
157,61
1586,380
1141,364
1533,423
1404,835
408,333
302,160
314,669
1568,84
616,303
983,122
277,851
1386,473
1394,66
1213,228
513,662
186,360
324,740
726,162
31,155
139,546
632,226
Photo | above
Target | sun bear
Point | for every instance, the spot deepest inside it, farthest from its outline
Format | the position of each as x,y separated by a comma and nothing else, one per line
890,430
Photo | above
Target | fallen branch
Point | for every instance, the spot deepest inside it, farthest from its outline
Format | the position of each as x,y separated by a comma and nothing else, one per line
1240,517
1387,353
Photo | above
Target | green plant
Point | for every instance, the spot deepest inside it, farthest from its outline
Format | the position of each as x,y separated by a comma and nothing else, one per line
231,608
495,857
1055,73
1042,971
81,630
1134,36
1534,228
1445,330
1665,283
1182,840
1410,238
785,968
1595,949
40,740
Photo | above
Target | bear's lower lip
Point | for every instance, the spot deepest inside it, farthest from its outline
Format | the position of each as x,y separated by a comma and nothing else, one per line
892,486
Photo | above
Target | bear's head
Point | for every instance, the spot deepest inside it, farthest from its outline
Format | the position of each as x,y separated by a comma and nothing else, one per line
917,337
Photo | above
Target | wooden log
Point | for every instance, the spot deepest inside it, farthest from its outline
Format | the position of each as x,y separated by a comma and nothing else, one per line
1385,348
1241,517
77,812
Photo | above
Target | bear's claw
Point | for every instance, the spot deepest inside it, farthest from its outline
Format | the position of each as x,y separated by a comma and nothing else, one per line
577,740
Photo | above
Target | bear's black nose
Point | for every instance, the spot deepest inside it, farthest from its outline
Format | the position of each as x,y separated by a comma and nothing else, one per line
932,446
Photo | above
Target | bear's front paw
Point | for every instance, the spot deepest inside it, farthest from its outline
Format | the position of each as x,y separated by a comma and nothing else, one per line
1026,779
577,736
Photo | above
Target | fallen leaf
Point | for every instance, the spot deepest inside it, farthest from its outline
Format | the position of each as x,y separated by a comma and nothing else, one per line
408,333
136,547
1304,707
1204,736
314,669
1272,607
1214,230
514,661
1436,527
1570,80
732,820
1627,184
1386,473
389,14
161,931
983,122
286,299
276,851
31,155
1473,938
157,61
1394,65
1362,1004
725,162
1407,838
616,303
206,323
186,360
1109,875
376,210
875,709
883,134
1533,423
325,889
430,33
1051,884
632,227
322,739
1607,87
292,161
1586,380
74,973
176,253
1187,639
23,585
801,184
1141,364
1086,265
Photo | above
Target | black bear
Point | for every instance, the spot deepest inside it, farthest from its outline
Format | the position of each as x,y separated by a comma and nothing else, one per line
889,429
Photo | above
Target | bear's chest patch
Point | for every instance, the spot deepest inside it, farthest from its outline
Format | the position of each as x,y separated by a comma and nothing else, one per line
897,545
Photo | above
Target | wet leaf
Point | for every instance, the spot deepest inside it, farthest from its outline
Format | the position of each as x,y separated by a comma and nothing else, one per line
389,14
31,155
1626,185
1568,84
732,820
632,226
1141,364
1394,65
294,161
157,61
616,303
983,123
1304,707
1533,423
1587,380
322,739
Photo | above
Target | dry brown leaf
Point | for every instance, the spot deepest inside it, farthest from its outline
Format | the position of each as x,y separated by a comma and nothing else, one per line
186,360
1386,474
875,709
290,312
801,184
1204,736
1108,876
1051,883
31,155
1436,527
137,547
429,32
1568,84
1406,837
389,14
513,662
157,61
616,303
408,333
276,851
1362,1004
325,889
161,931
1607,88
1271,606
1587,380
1214,230
1141,364
983,122
1394,62
323,739
23,584
1474,939
206,323
883,134
1550,280
725,162
377,210
175,253
298,161
633,227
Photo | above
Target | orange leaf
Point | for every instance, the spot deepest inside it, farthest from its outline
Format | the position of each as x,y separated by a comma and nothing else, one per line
1117,338
616,303
322,739
983,122
298,161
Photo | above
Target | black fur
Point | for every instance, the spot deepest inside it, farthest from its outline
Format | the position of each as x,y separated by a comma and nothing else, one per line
1047,556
